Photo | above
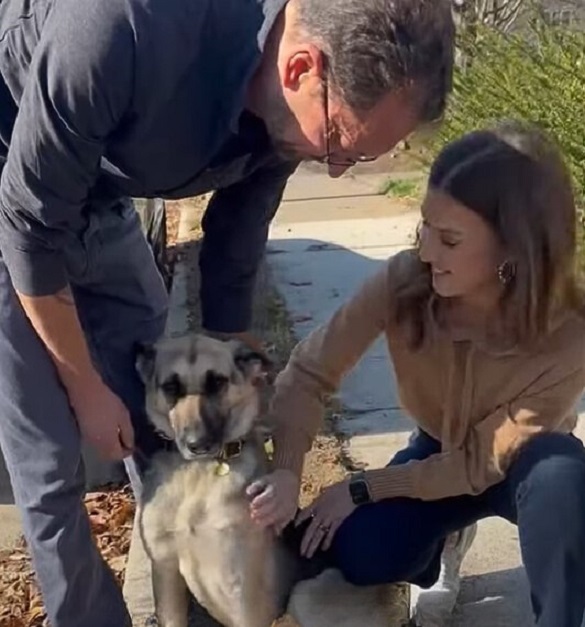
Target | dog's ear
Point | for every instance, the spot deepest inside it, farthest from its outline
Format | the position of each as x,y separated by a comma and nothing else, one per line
145,361
254,365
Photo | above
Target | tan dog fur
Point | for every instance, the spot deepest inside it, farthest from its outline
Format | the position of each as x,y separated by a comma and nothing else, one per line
195,524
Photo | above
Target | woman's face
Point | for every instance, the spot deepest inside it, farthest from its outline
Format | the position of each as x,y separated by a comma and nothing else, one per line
461,249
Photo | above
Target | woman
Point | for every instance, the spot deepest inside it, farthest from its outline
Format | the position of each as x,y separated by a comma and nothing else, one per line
484,324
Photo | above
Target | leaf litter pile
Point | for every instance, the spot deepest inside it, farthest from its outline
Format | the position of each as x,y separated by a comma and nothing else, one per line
111,514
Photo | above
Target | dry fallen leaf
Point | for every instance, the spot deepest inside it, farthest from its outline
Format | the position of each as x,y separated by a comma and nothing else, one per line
111,513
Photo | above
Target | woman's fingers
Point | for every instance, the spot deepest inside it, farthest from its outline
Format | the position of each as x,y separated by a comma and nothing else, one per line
266,518
265,497
314,540
331,534
314,535
273,499
256,488
304,515
267,510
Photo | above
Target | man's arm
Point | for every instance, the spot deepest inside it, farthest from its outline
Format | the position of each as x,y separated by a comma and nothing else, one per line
77,91
55,320
235,229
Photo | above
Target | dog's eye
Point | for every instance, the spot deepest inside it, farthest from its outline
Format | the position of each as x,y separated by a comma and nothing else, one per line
214,383
173,388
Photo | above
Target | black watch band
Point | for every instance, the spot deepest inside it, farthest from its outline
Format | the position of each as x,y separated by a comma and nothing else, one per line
359,489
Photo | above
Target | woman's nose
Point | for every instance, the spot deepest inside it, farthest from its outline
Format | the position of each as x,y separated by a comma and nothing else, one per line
425,245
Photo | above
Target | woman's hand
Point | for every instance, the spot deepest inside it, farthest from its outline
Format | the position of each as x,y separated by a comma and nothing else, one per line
326,512
275,499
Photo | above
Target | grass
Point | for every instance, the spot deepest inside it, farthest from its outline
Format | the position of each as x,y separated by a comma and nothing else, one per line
410,189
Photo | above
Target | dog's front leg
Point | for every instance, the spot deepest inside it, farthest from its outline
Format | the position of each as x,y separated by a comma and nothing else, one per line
258,603
171,596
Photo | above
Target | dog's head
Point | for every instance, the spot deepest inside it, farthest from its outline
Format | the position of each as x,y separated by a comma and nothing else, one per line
202,392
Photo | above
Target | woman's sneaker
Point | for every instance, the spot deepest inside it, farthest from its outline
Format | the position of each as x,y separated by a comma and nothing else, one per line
432,607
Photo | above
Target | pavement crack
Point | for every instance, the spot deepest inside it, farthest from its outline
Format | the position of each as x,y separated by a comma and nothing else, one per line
370,410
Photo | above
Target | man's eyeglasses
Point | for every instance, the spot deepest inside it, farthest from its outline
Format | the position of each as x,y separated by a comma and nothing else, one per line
329,158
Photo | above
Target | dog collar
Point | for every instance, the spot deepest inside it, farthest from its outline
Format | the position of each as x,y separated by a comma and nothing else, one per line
231,450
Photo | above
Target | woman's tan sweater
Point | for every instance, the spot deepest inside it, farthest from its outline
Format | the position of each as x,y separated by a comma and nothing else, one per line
482,403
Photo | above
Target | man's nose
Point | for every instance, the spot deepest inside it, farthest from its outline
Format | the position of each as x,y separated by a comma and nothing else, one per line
335,171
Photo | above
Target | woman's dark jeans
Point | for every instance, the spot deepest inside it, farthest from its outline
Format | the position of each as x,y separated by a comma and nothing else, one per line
401,539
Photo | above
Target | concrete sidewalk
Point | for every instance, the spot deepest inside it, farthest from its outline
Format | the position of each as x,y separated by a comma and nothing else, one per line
319,255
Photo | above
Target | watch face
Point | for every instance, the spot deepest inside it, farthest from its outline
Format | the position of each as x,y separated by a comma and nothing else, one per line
358,489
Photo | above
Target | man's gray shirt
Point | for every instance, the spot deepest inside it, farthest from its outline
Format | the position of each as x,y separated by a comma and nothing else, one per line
108,98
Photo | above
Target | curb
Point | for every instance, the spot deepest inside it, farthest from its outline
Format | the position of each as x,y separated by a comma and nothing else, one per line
137,589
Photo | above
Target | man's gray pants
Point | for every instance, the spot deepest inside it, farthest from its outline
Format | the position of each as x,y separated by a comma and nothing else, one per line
122,301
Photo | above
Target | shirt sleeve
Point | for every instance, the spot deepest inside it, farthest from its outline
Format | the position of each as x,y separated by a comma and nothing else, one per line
492,444
78,89
235,226
319,363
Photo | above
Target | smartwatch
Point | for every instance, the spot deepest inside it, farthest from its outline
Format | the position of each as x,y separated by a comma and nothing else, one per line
359,489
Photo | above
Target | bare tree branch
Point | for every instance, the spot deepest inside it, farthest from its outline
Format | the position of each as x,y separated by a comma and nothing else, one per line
498,14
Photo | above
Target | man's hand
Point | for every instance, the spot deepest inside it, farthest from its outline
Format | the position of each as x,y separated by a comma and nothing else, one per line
102,417
275,499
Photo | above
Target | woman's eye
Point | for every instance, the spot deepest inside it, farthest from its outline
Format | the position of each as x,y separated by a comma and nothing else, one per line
449,243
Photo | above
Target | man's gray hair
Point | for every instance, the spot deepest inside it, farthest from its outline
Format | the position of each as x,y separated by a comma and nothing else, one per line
376,46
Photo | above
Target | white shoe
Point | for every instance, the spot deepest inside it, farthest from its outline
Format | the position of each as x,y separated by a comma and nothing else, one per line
432,607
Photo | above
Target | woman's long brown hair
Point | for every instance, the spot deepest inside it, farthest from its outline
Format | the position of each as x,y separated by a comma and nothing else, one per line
514,177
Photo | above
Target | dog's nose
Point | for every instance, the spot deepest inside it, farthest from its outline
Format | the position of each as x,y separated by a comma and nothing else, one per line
197,446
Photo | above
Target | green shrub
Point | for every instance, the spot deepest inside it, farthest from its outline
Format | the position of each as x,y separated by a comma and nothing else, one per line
537,75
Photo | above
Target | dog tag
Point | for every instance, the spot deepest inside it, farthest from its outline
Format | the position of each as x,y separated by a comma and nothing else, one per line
269,448
222,469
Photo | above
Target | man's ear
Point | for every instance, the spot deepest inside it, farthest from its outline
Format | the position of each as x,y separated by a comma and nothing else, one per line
254,365
304,61
145,361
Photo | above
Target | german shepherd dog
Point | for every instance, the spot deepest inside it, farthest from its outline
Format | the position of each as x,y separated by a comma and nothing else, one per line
204,394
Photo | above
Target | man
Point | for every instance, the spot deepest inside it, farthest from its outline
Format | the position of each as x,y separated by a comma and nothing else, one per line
103,101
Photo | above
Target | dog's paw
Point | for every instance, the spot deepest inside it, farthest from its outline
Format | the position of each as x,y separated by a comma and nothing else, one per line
151,621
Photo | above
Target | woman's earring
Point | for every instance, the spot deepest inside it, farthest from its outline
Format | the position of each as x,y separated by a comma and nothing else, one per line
506,272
